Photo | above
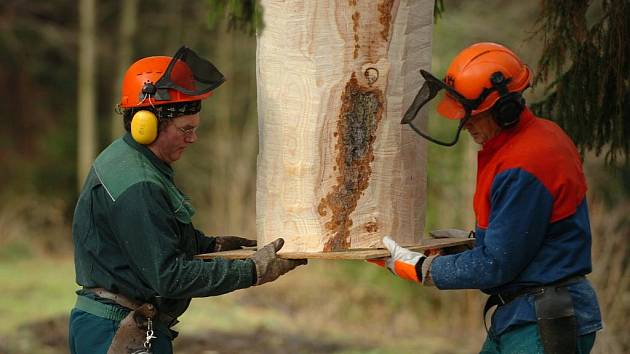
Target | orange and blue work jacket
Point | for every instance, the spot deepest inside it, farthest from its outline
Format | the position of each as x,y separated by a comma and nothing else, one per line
532,224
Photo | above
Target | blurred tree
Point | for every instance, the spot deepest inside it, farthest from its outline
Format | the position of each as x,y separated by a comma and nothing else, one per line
126,32
86,89
37,53
246,15
586,63
243,15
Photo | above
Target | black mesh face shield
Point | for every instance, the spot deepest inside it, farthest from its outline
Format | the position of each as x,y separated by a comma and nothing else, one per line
446,131
205,76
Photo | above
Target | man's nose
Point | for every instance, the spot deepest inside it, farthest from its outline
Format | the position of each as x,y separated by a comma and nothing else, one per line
192,137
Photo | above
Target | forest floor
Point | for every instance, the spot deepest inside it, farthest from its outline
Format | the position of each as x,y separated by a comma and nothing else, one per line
312,310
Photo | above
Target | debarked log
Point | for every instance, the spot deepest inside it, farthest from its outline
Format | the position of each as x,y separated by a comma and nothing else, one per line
336,169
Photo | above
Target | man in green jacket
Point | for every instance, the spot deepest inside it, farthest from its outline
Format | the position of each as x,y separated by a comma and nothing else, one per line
133,236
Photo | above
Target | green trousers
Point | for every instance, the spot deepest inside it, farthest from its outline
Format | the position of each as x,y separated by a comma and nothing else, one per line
526,340
90,334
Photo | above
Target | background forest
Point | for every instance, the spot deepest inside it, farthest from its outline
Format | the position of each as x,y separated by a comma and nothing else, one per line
326,307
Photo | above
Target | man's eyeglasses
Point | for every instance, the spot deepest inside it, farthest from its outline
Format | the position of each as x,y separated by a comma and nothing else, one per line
187,131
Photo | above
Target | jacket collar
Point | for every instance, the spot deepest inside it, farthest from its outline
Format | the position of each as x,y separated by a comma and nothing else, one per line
161,166
493,144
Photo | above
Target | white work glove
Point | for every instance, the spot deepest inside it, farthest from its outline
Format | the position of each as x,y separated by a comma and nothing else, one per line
402,262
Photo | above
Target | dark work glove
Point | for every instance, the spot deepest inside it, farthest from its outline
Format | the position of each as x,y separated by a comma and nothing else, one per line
268,266
453,233
227,243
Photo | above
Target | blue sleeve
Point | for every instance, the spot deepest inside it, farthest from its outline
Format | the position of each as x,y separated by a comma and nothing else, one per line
521,209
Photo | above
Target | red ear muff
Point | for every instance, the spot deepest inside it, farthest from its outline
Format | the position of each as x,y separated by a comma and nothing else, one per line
144,127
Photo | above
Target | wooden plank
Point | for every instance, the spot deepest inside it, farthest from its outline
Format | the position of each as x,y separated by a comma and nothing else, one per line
360,254
336,169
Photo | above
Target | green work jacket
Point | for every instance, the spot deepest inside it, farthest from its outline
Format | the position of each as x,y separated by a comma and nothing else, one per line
133,234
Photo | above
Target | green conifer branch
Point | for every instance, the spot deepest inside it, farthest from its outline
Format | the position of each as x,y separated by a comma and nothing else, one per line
585,65
242,15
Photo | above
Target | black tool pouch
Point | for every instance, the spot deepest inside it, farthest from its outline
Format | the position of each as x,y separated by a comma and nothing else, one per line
556,320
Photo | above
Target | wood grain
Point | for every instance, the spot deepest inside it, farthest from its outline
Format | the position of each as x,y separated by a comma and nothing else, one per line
336,169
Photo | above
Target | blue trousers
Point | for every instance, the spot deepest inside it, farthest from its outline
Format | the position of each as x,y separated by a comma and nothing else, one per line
91,334
526,340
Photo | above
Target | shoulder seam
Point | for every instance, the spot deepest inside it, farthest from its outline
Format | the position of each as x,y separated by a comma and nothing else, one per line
103,184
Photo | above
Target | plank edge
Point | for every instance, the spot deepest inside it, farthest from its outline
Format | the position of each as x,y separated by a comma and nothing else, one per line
356,254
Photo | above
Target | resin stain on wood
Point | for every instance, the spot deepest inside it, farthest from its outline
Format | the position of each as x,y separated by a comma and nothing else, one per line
385,18
361,112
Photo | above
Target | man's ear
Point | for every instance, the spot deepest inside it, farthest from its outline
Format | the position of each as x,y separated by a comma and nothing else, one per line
162,124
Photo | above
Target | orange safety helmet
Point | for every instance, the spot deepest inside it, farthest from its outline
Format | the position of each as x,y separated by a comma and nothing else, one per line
159,80
470,75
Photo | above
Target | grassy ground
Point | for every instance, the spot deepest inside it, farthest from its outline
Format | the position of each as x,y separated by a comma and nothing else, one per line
34,290
325,307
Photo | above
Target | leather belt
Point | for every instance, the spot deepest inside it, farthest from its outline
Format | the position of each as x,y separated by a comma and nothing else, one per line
117,298
131,304
503,298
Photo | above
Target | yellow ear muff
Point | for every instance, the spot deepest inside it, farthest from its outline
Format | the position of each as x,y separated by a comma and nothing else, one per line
144,127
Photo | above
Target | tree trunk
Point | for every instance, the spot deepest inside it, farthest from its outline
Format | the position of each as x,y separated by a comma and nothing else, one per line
86,116
336,169
126,32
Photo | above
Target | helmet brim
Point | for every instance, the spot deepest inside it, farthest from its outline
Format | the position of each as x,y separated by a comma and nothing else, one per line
450,108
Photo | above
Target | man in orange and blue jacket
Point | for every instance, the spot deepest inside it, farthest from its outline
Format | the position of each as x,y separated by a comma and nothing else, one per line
533,238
